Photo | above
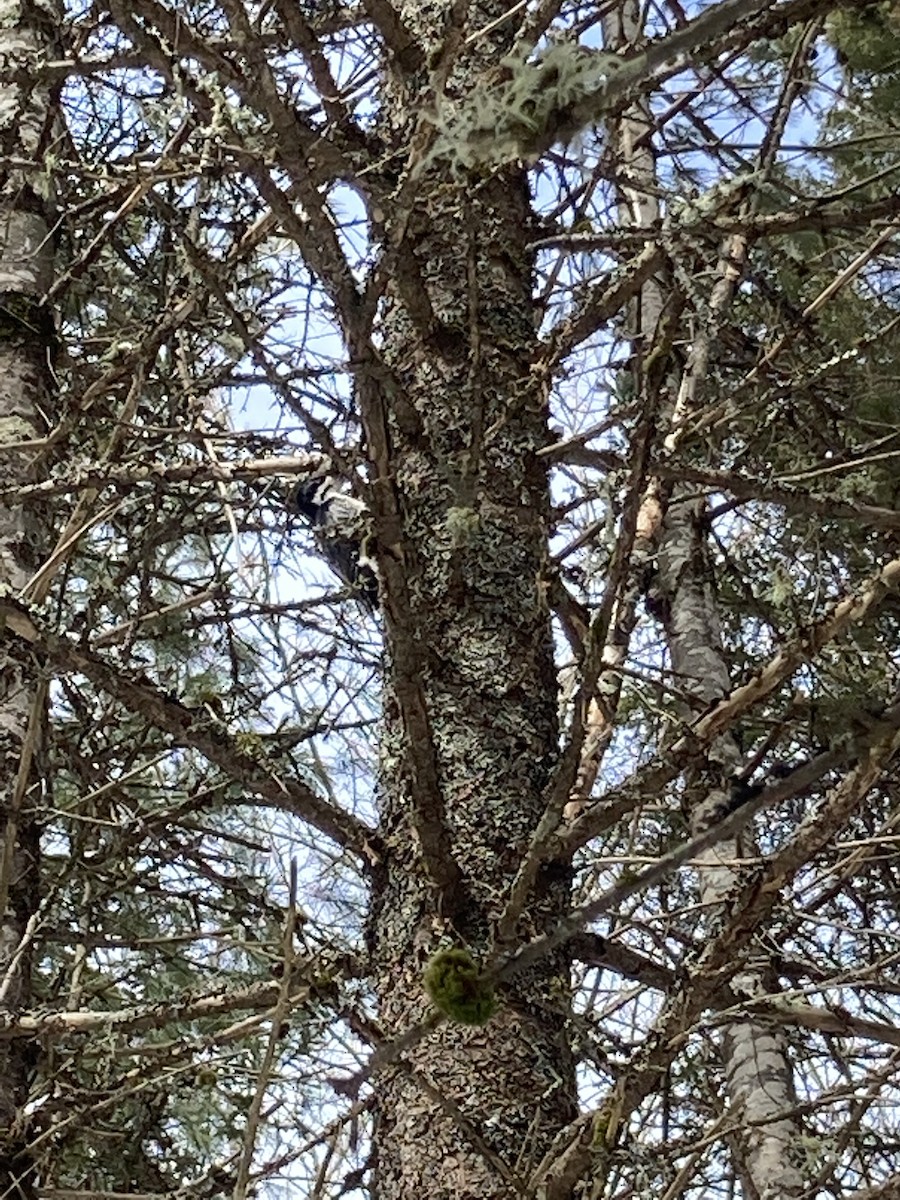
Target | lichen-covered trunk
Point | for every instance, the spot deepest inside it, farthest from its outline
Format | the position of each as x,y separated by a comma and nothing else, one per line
26,345
470,734
758,1072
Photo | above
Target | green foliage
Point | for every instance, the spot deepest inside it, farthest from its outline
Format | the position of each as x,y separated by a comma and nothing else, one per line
455,985
867,42
867,39
164,883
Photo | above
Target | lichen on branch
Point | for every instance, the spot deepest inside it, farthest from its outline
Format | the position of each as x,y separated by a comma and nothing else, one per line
511,117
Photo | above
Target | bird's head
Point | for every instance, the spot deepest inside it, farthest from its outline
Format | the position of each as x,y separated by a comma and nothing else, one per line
311,494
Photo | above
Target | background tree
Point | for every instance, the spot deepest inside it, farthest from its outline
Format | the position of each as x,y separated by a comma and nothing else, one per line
571,871
27,352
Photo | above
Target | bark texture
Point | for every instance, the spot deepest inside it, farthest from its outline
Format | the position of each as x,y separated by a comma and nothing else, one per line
757,1069
470,721
26,345
754,1054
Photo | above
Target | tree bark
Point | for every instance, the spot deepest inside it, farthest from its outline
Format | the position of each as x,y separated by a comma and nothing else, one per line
26,350
758,1072
470,729
757,1069
637,204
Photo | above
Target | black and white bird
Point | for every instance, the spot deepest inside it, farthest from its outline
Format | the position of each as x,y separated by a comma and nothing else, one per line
341,526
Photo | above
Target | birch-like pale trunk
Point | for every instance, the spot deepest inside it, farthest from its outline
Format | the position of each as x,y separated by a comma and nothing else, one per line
757,1069
26,347
758,1072
637,204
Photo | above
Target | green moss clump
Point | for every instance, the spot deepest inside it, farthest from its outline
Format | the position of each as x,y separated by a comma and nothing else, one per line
455,985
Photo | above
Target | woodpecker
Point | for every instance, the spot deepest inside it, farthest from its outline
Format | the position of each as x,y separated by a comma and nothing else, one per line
340,524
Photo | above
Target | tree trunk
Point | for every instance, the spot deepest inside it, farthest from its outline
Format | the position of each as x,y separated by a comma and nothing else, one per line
637,205
757,1069
26,345
470,713
758,1072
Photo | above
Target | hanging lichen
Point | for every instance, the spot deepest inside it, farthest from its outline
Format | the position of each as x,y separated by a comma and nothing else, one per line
532,99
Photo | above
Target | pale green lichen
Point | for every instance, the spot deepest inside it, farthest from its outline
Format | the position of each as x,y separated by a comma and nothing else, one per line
15,429
507,120
462,525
